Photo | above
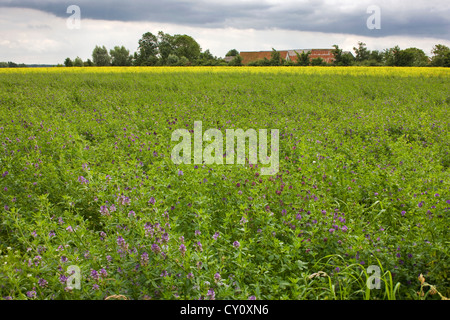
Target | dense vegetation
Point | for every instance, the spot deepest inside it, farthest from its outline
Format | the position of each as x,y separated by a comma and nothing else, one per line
86,179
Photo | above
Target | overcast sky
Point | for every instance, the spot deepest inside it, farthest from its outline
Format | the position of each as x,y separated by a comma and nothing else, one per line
37,32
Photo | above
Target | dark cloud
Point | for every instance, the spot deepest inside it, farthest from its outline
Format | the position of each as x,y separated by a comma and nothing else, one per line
421,19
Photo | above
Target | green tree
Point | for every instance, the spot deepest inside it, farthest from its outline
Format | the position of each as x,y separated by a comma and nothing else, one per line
399,58
147,50
376,58
275,58
172,60
68,62
237,61
341,58
362,53
78,62
318,62
186,46
419,58
101,57
303,58
166,46
120,56
232,53
441,56
88,63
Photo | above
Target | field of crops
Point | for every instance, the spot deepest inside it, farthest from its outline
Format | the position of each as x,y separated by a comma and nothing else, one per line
87,184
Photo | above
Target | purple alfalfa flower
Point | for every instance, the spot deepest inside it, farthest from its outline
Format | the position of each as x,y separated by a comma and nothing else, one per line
217,276
5,174
197,232
144,259
216,235
64,259
182,249
31,294
131,214
403,213
164,274
211,294
165,237
42,283
331,230
102,235
69,228
180,173
236,244
112,208
83,180
283,212
199,246
298,217
436,195
123,200
103,273
344,228
120,241
420,204
190,275
94,274
252,298
60,220
51,234
152,200
109,258
63,279
95,286
155,248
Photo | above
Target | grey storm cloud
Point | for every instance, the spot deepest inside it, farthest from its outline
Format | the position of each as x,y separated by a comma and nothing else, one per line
419,18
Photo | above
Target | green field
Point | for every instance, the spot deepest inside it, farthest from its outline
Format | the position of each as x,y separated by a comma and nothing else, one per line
86,180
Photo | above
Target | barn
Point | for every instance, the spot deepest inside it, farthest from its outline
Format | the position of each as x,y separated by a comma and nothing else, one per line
289,55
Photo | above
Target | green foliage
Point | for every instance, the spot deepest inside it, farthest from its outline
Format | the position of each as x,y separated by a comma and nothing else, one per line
120,56
275,58
101,57
78,62
363,181
147,50
441,56
68,62
303,58
232,53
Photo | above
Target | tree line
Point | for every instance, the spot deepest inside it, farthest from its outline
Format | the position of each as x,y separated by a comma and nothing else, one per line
164,49
410,57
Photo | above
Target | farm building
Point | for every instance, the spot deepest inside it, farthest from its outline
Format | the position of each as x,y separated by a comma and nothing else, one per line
289,55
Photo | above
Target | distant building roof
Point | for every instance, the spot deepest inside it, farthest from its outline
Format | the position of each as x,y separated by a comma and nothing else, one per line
250,56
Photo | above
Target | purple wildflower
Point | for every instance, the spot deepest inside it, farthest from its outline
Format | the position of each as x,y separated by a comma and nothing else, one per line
236,244
182,249
42,282
211,294
144,259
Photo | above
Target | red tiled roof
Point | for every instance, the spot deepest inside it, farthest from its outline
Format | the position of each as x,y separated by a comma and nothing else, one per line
250,56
